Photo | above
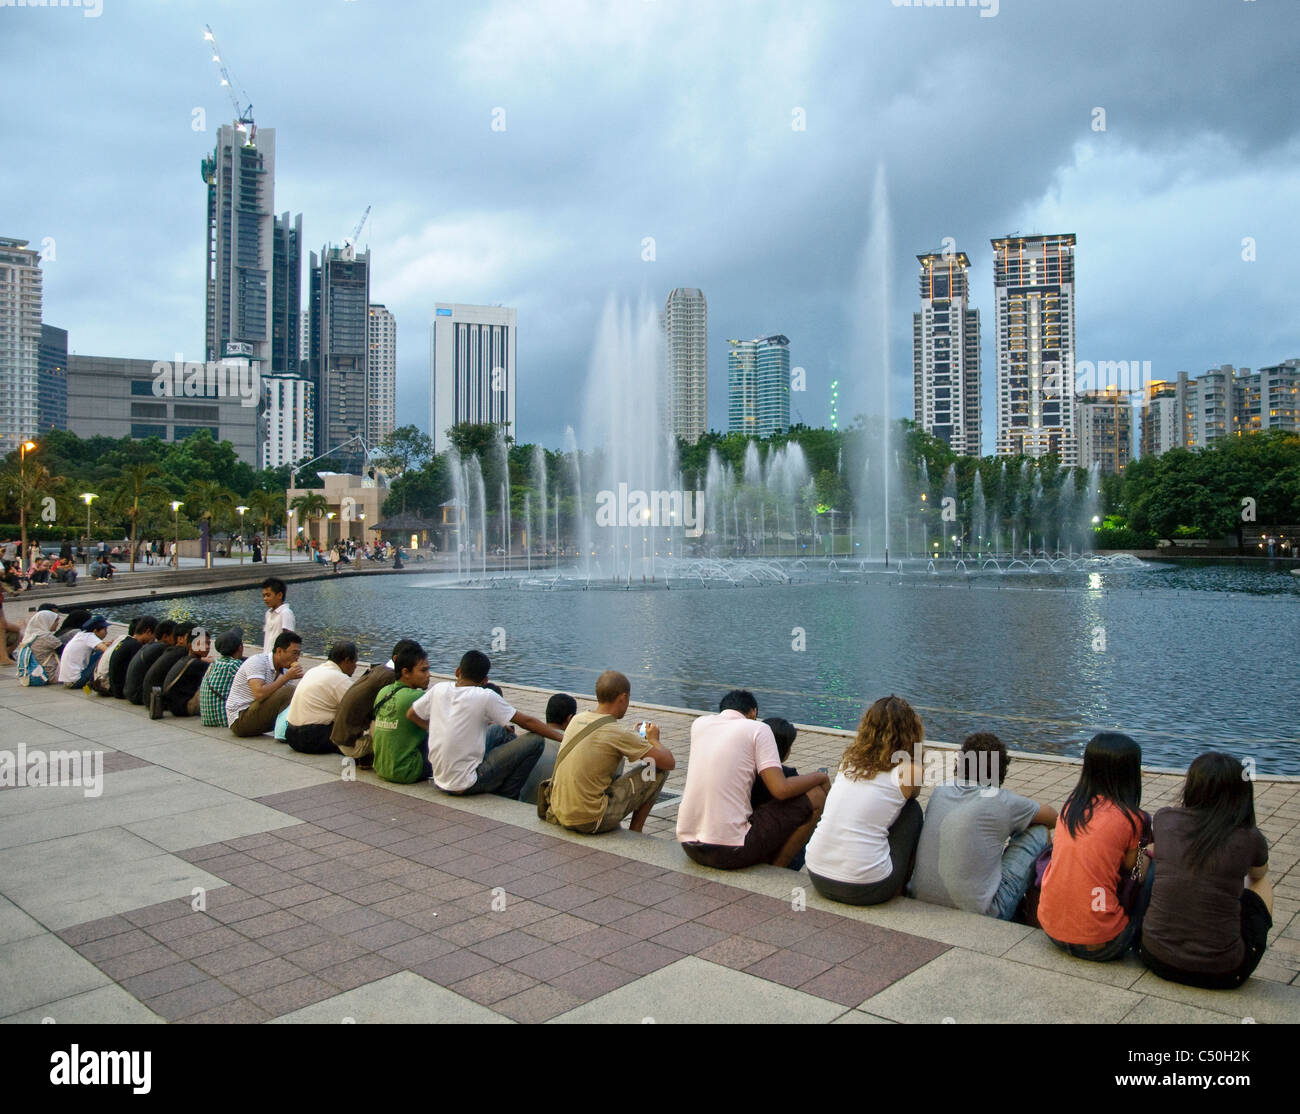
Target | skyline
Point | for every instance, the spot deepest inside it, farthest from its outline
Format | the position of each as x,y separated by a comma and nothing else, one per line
604,145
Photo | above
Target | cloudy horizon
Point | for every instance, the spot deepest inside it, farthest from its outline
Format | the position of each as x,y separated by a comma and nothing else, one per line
742,138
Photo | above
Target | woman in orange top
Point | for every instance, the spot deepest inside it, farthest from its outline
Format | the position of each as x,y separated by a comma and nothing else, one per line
1097,840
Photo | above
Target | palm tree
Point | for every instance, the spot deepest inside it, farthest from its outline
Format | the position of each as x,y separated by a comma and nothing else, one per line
135,494
268,509
310,507
211,500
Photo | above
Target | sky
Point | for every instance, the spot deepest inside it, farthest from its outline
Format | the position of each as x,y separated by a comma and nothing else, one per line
742,137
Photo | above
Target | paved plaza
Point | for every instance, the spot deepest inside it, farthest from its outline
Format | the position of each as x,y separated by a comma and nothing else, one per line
217,879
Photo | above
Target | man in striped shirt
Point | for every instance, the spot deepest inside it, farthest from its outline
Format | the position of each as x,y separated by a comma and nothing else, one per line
262,687
215,687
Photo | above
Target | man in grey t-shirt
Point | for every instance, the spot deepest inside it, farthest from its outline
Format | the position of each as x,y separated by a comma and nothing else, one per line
964,858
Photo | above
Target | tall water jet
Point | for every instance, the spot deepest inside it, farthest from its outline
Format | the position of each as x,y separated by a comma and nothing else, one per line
539,485
978,512
502,452
474,484
625,420
871,313
949,492
583,522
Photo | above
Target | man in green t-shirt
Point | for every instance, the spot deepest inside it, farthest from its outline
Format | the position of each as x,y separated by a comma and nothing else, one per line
401,748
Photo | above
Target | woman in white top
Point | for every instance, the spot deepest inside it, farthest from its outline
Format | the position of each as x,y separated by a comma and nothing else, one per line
863,851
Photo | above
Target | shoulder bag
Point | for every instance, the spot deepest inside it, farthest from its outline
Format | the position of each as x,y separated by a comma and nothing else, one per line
544,789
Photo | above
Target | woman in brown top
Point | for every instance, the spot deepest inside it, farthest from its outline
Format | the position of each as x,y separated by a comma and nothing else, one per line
1212,904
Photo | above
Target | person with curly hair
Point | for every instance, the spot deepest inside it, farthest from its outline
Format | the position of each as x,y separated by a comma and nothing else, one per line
863,851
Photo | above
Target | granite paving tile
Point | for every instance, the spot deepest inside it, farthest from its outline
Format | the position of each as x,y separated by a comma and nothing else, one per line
508,946
235,958
788,968
153,984
190,1000
294,939
689,938
108,946
647,923
540,1003
204,943
491,986
548,962
121,967
358,971
288,996
473,931
592,980
417,950
600,941
736,952
260,976
642,958
452,967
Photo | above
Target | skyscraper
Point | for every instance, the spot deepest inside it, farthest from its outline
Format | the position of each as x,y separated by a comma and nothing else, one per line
340,312
471,369
1033,281
946,353
382,390
20,342
758,386
52,393
286,294
241,201
1105,438
288,420
686,332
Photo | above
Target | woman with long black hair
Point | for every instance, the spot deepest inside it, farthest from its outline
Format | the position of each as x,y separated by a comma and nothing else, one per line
1097,839
1212,906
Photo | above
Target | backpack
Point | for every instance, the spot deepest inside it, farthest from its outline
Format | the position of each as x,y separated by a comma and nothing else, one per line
30,670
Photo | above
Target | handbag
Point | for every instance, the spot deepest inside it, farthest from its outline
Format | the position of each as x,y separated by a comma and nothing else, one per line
544,788
1029,907
1130,881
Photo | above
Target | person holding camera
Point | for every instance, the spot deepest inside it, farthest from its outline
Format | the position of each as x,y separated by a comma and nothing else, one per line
585,795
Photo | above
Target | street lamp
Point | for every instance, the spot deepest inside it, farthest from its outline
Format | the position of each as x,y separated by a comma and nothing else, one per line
176,532
88,497
24,449
289,537
241,511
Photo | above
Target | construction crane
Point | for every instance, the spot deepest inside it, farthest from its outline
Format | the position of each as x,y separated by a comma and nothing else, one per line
243,115
350,244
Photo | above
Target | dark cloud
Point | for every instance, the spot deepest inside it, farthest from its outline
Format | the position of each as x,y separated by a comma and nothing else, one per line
673,120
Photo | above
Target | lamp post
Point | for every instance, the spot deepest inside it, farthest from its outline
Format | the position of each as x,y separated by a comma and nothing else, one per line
362,518
241,511
88,497
289,536
176,533
24,449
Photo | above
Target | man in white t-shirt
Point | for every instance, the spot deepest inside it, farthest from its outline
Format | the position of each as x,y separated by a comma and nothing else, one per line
278,616
717,824
77,662
457,716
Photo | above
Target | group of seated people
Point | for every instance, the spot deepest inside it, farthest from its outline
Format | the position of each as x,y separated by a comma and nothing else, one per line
1087,876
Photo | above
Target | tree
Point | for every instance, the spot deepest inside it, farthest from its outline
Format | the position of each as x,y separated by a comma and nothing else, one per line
268,509
137,491
403,449
309,507
211,500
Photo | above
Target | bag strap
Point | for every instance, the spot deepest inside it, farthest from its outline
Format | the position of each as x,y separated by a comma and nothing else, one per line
567,748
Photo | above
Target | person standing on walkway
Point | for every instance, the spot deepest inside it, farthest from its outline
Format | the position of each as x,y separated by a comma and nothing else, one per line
278,615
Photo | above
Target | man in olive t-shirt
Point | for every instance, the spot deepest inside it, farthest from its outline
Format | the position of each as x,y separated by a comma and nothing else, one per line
401,748
585,797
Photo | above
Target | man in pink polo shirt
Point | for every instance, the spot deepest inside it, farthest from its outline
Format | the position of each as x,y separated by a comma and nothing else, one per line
716,824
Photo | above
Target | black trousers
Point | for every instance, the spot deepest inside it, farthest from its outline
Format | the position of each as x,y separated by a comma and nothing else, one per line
311,738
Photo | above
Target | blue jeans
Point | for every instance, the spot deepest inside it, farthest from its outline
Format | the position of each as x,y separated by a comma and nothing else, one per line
507,767
89,672
1129,937
1018,870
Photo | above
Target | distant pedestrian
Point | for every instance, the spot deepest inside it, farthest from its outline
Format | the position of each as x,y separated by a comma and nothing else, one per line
257,548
